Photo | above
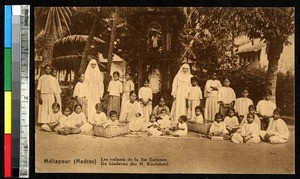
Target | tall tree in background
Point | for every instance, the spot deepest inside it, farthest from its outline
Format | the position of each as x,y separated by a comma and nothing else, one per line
51,24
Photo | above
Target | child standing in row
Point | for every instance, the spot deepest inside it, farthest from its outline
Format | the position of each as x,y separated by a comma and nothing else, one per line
194,98
226,97
241,105
128,86
53,117
249,132
265,109
145,96
115,90
80,95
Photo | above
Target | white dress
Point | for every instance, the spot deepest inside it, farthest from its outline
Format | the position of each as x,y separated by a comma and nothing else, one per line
247,129
127,87
279,129
129,113
211,104
165,122
145,93
45,85
241,105
57,91
94,80
181,83
194,97
182,132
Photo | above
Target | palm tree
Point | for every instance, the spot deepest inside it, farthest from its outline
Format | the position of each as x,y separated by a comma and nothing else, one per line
51,23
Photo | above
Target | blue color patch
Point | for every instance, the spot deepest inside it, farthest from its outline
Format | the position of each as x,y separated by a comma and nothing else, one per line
8,26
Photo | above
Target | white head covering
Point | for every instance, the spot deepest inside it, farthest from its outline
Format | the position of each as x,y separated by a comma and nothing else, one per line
184,76
93,74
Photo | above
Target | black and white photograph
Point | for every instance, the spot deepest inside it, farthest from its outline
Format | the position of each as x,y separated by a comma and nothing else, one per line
202,90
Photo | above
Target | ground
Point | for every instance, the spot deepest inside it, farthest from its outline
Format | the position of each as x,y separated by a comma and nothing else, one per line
191,154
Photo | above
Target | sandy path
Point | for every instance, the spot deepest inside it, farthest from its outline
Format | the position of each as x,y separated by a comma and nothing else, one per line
185,155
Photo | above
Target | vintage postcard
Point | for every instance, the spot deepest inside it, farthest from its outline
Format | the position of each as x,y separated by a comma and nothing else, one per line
164,90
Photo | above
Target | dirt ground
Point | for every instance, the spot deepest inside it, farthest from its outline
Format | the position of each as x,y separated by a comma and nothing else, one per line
191,154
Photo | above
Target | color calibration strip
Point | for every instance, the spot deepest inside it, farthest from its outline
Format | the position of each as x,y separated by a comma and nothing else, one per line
8,90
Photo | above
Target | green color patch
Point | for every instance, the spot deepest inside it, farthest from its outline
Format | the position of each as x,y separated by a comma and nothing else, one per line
7,69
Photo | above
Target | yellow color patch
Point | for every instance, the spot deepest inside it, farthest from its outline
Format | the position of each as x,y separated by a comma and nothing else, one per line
8,114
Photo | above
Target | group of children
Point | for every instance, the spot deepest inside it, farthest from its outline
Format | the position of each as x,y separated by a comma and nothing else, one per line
236,119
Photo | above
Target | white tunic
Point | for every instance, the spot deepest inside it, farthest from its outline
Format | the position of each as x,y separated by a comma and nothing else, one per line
265,107
241,105
232,122
218,127
226,94
99,118
115,88
80,90
278,128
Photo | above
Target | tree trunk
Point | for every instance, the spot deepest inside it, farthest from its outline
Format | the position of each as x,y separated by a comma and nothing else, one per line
84,60
111,49
274,49
47,53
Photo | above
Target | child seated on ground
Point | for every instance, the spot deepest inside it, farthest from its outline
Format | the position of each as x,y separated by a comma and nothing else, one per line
218,127
161,105
80,119
277,131
67,124
251,110
99,118
198,118
231,121
249,132
181,128
164,120
53,118
153,128
113,119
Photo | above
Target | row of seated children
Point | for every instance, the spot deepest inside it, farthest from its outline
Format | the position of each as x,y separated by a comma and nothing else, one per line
75,123
249,130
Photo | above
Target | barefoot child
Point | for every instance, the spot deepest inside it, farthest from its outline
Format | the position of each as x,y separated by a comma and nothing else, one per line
80,94
99,118
115,90
145,96
194,98
199,115
67,124
128,86
226,97
241,105
53,118
277,131
153,127
218,127
265,109
249,132
231,121
181,128
164,120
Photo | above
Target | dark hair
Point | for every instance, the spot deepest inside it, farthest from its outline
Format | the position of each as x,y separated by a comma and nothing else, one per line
67,107
163,110
230,109
47,66
98,105
268,92
152,115
113,112
251,115
218,115
245,88
146,81
55,105
76,105
183,117
132,92
127,73
194,79
199,108
116,73
251,107
226,79
278,111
